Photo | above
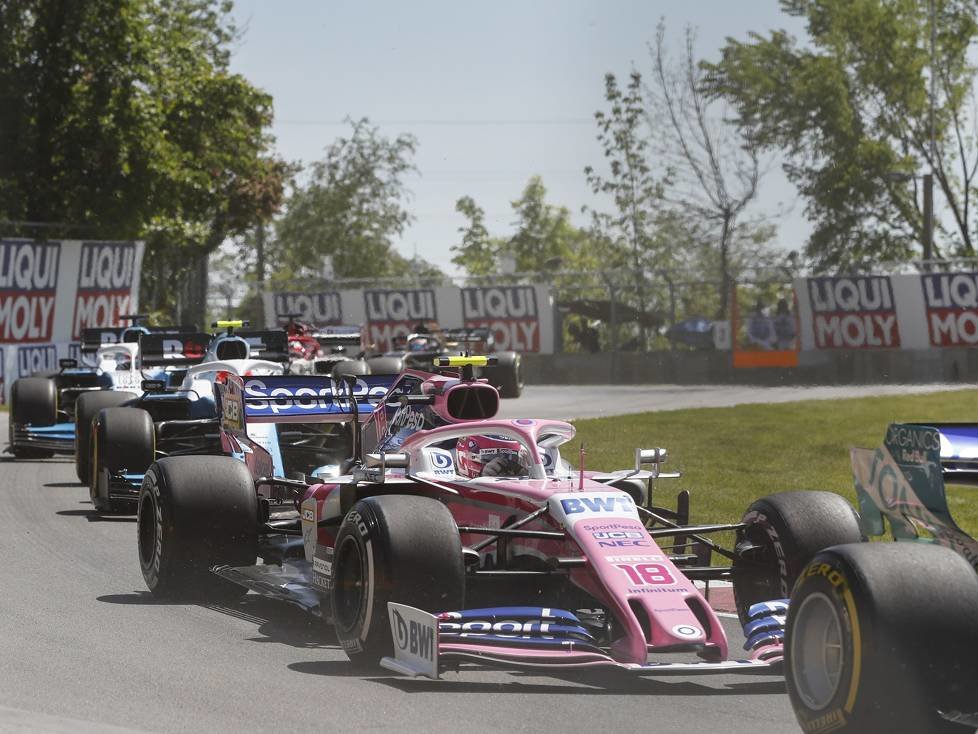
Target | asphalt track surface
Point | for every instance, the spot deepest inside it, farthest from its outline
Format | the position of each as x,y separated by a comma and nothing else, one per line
85,648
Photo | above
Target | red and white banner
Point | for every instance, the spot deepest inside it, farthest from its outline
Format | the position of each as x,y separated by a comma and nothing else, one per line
951,303
393,313
510,311
321,309
107,274
521,316
50,291
28,282
857,312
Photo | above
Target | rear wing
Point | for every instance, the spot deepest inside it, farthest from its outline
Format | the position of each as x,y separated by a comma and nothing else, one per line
470,334
311,398
270,344
903,482
93,338
178,349
339,336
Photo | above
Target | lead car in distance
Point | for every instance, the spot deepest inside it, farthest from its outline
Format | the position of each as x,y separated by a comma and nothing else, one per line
477,534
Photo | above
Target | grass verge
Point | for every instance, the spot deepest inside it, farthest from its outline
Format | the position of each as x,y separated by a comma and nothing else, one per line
731,456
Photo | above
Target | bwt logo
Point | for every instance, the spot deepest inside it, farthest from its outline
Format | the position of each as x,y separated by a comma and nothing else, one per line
415,638
590,505
31,360
414,305
440,460
319,308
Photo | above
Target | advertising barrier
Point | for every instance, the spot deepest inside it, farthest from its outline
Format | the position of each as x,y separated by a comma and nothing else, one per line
51,291
520,316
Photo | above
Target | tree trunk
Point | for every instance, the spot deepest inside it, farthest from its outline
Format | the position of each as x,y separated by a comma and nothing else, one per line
724,269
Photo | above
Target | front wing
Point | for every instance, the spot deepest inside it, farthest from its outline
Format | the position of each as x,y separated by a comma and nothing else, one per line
427,644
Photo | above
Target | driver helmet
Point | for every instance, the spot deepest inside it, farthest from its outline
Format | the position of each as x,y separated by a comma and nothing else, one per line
490,456
417,344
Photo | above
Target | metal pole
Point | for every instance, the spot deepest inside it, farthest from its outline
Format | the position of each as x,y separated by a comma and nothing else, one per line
929,177
928,219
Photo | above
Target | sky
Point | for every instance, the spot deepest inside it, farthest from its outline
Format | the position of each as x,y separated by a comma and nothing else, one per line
494,92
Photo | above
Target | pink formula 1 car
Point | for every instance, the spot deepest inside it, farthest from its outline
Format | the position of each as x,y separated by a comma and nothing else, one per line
449,536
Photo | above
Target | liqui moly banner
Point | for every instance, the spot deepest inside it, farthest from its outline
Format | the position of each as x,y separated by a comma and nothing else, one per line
511,312
394,313
50,291
853,313
28,282
321,309
108,274
951,304
520,316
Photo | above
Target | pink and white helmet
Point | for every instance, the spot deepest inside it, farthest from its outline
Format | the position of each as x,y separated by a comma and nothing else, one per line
490,456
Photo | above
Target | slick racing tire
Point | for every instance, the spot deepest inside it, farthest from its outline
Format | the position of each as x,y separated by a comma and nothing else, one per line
34,401
350,367
506,375
386,365
882,636
123,439
784,531
196,512
87,407
398,548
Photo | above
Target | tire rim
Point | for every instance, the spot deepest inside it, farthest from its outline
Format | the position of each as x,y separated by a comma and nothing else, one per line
348,584
817,651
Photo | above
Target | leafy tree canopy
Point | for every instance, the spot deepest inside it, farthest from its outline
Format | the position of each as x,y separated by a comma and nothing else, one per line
848,105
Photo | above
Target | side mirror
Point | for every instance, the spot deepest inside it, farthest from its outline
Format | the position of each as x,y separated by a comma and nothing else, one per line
153,385
644,457
67,363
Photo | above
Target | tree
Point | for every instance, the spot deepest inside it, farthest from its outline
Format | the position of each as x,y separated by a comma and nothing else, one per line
121,118
715,167
849,108
478,252
545,240
351,209
634,189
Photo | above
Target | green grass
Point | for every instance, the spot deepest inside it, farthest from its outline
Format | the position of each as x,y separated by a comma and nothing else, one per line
731,456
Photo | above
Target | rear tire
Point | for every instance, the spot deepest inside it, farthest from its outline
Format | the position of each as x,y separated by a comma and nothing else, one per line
87,407
901,618
786,530
506,375
350,367
196,512
34,401
398,548
386,365
125,439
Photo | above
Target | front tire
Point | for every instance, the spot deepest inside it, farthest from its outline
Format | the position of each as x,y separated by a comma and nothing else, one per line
784,531
397,548
881,636
196,512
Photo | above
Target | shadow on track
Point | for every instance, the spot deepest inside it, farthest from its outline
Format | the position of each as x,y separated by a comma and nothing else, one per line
63,485
276,622
93,516
616,684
